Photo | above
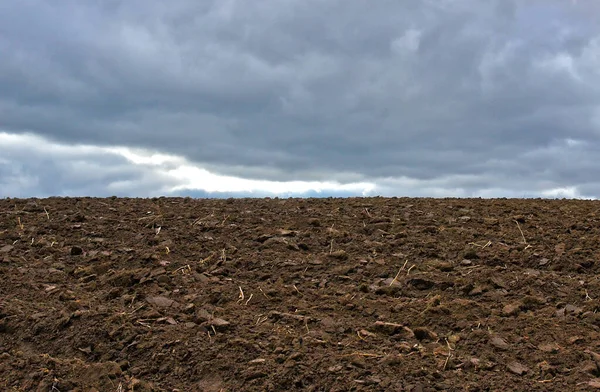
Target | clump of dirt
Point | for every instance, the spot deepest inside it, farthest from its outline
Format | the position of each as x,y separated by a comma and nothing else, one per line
369,294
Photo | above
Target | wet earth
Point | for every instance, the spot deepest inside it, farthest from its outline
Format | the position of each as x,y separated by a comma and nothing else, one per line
364,294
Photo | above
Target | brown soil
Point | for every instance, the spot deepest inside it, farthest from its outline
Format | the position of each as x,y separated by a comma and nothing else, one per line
291,294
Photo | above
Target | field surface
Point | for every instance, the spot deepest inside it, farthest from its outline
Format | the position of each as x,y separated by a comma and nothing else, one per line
366,294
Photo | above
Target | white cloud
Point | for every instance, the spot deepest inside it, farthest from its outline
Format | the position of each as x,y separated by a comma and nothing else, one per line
34,166
85,166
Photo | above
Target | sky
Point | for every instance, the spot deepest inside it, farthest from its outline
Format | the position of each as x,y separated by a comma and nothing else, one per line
235,98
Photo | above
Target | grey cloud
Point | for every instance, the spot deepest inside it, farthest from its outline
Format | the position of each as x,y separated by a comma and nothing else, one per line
317,90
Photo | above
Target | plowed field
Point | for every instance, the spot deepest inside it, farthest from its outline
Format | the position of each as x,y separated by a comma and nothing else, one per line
365,294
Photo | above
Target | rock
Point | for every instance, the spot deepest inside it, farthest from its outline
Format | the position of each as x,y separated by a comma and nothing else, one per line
510,310
219,324
499,343
549,348
466,262
517,368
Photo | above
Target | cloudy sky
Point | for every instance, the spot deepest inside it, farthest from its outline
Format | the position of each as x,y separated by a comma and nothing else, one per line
300,97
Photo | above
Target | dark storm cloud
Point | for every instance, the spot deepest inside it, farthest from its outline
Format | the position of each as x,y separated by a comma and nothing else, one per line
461,94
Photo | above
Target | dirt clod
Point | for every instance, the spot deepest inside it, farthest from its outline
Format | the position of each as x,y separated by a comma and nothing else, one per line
517,368
499,343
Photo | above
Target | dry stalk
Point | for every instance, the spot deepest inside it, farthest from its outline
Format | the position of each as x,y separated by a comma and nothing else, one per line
411,267
261,319
249,298
207,258
372,355
449,354
183,269
199,220
241,296
224,220
47,214
331,246
144,324
21,226
481,246
522,235
398,274
263,293
136,309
